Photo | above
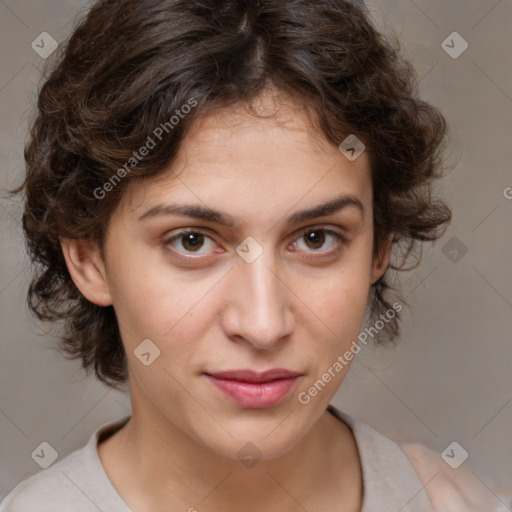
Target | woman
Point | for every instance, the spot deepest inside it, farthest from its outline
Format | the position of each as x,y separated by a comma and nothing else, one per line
214,190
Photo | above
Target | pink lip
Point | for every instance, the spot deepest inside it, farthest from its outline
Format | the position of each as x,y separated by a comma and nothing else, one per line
255,390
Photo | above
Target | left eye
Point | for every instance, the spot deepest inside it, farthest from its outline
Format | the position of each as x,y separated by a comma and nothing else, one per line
315,238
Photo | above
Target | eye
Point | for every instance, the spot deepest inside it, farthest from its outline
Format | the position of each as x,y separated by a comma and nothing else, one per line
195,241
191,241
316,237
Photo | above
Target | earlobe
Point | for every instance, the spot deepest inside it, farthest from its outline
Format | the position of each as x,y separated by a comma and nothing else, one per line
381,261
87,270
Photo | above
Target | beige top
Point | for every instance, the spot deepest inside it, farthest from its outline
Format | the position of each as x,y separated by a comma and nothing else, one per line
388,476
78,483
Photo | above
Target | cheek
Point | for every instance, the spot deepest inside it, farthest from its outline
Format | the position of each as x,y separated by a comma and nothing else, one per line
338,301
146,305
341,309
339,297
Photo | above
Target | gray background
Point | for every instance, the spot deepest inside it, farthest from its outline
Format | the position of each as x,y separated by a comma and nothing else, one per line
450,377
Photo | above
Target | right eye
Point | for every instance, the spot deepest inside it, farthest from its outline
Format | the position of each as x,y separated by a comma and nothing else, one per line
190,241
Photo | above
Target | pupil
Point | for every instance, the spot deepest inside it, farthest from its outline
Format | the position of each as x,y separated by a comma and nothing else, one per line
190,240
317,238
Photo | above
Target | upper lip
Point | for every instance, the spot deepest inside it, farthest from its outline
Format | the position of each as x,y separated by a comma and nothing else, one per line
252,376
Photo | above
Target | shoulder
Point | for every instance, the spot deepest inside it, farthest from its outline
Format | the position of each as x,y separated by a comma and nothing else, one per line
55,488
450,490
77,482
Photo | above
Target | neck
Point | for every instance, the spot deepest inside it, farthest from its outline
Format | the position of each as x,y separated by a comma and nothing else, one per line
152,462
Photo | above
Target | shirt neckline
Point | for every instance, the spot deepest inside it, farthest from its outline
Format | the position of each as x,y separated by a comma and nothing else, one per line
107,430
352,424
109,492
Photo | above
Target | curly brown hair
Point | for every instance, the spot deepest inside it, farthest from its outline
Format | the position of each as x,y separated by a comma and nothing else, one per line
130,65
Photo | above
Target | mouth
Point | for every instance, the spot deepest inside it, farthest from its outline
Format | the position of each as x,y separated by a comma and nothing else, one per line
255,390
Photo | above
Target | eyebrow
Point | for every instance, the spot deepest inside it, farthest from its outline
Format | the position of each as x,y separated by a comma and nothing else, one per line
209,214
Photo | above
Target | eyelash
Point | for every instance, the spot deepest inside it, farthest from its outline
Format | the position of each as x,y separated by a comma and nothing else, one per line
342,240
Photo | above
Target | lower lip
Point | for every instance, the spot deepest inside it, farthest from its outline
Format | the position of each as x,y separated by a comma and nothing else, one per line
255,395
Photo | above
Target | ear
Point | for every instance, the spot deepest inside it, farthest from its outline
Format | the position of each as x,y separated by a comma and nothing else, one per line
381,260
87,270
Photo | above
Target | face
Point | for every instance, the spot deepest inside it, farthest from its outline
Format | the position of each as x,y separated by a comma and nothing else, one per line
254,286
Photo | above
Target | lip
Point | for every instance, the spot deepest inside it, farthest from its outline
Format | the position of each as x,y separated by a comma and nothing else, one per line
255,390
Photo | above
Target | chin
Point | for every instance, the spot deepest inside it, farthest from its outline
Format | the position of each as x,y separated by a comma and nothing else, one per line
262,438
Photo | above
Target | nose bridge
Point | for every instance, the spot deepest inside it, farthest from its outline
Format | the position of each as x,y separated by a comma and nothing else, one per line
262,304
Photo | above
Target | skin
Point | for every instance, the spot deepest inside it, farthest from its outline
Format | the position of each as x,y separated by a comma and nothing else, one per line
451,489
297,306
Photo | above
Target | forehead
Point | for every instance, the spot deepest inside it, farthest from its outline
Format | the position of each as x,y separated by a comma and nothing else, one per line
233,158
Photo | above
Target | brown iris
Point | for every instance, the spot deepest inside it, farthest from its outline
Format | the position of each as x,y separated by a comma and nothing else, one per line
192,241
316,238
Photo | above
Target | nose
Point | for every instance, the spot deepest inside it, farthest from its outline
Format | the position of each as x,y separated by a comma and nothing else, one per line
258,310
